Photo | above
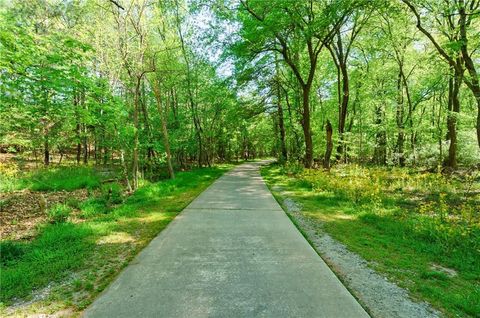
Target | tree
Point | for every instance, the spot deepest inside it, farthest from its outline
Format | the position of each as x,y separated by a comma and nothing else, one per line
456,53
298,31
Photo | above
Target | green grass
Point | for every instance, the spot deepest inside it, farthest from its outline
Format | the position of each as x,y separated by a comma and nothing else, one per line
51,179
401,221
62,179
88,254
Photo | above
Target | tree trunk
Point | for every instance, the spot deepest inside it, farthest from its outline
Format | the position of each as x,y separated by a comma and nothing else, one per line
125,171
79,144
158,98
193,107
474,82
453,110
399,119
478,120
298,143
135,165
46,149
380,152
146,124
78,128
85,144
281,126
328,151
306,128
343,109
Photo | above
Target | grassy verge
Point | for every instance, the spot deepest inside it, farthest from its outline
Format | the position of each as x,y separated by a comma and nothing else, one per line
52,179
76,259
420,230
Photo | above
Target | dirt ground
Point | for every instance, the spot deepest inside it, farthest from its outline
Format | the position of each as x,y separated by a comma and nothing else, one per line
21,212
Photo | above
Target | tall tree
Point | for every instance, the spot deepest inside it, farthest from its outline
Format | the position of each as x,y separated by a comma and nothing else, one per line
455,52
298,31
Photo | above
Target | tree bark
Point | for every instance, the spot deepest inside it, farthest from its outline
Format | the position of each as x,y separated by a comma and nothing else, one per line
166,141
307,132
281,126
453,111
473,83
380,152
135,165
46,149
399,119
78,128
193,106
328,151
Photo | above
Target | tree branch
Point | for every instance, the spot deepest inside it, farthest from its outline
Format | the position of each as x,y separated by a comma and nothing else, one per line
117,4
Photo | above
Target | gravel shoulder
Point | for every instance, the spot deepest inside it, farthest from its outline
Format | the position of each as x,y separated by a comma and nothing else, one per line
379,296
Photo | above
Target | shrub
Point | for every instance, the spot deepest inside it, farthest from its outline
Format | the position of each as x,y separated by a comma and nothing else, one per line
59,213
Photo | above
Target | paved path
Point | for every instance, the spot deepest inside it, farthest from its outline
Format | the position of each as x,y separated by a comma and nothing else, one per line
231,253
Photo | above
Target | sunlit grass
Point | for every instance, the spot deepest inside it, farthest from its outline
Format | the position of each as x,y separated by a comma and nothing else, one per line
51,179
403,222
88,252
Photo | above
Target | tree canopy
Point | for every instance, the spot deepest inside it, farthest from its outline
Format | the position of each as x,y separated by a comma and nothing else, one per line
161,85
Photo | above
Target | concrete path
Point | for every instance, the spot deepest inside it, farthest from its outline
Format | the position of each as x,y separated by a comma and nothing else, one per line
231,253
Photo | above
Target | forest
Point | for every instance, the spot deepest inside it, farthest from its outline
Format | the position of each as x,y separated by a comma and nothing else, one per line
113,112
386,82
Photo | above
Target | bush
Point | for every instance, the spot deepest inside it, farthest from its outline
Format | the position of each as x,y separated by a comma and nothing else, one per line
59,213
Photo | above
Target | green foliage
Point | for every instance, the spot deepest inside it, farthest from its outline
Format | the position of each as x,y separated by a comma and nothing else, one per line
235,88
73,203
402,221
10,251
62,248
112,193
57,179
292,168
50,179
92,207
58,249
9,173
59,213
